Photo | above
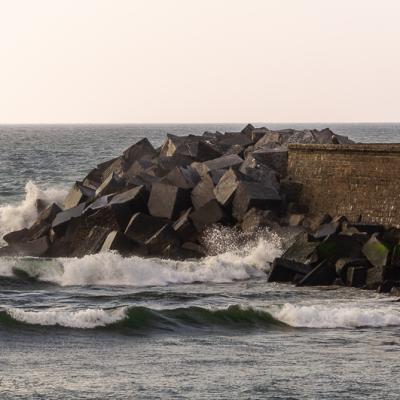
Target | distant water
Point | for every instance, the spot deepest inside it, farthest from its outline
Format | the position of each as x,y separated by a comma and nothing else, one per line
107,327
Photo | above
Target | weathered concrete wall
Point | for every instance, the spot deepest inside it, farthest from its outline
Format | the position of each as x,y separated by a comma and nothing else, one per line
350,180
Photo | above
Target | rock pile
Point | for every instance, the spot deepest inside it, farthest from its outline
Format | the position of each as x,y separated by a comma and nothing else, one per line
158,202
335,251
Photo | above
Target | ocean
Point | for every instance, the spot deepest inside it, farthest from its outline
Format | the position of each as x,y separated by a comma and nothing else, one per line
108,327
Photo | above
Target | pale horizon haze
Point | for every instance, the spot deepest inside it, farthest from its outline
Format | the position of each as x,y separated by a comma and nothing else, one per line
186,61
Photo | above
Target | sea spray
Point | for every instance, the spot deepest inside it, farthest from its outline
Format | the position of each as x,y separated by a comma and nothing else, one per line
24,213
112,269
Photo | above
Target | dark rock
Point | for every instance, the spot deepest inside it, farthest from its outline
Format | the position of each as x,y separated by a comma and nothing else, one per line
323,274
206,152
276,159
16,236
210,213
247,130
117,241
376,252
182,145
184,227
203,192
253,194
227,186
356,276
34,248
143,179
197,250
142,227
302,251
167,201
395,291
216,175
40,205
91,244
285,270
182,177
340,246
343,264
162,241
313,221
111,184
234,139
326,230
386,286
135,199
259,172
116,167
64,217
375,276
291,190
395,256
368,228
256,219
142,149
93,179
78,194
165,164
229,161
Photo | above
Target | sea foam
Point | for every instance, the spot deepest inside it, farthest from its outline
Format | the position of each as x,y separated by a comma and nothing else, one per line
24,213
341,316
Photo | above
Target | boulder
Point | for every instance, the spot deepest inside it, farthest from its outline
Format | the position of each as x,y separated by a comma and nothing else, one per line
375,276
234,139
395,291
256,219
78,194
259,172
18,236
167,201
91,244
165,164
376,252
386,286
229,161
276,159
184,228
113,183
253,194
93,179
117,167
210,213
182,177
356,276
117,241
285,270
140,150
142,227
342,265
62,219
182,145
340,246
203,192
135,199
302,251
370,229
227,186
323,274
34,248
163,241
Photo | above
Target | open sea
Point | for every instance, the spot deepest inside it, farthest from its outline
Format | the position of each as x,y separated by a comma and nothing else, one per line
107,327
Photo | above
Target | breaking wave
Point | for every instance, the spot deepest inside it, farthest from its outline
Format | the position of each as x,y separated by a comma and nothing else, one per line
24,213
141,319
115,270
346,316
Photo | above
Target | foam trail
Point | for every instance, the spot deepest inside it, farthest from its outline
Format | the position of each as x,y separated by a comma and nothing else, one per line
346,316
115,270
83,319
23,214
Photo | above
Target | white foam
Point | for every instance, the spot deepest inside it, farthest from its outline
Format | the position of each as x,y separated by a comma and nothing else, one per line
83,319
24,213
342,316
115,270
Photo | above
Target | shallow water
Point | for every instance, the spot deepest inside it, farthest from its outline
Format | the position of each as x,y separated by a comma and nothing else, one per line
111,327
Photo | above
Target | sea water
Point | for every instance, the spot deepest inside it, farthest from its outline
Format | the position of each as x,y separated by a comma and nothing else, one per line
108,327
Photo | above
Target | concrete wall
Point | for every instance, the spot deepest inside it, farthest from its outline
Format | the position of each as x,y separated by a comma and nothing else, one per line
350,180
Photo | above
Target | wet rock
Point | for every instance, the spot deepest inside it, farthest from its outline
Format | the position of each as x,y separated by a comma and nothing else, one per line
285,270
395,291
356,276
18,236
117,241
340,246
343,264
375,276
142,227
253,194
302,251
386,286
368,228
323,274
167,201
209,214
203,192
376,252
91,244
140,150
78,194
34,248
40,205
134,199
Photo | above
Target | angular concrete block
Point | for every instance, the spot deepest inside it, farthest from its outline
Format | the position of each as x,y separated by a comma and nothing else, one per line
167,201
203,192
142,149
78,194
142,227
229,161
113,183
207,215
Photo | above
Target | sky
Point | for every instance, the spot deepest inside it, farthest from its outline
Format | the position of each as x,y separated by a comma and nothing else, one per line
170,61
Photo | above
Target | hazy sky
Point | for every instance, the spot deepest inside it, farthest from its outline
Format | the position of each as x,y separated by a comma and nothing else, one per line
119,61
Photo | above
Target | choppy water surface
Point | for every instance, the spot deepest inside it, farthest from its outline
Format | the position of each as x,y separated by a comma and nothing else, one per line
119,328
